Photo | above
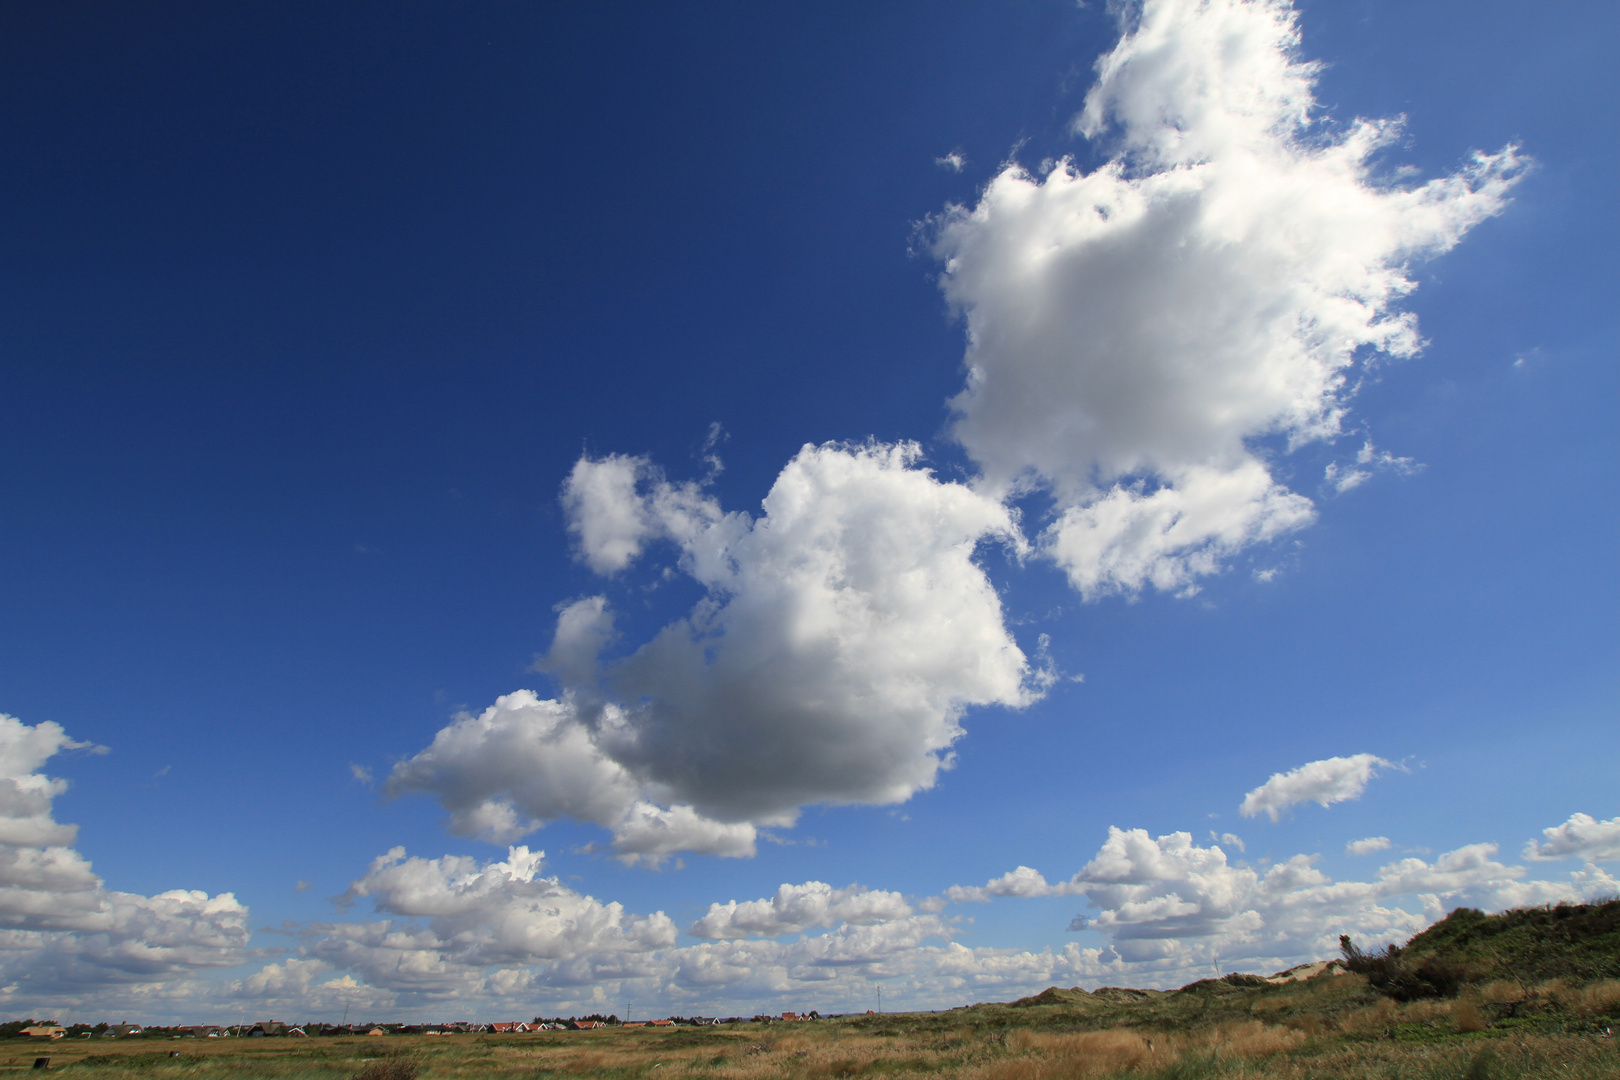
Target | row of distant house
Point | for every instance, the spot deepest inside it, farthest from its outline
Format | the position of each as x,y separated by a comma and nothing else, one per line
277,1029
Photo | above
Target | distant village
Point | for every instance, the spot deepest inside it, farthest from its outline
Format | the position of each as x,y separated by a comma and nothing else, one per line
275,1029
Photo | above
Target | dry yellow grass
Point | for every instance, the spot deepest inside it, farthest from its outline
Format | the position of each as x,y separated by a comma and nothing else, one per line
1375,1017
1040,1056
1503,992
1036,1055
1595,999
1466,1015
1422,1012
1252,1039
1332,1030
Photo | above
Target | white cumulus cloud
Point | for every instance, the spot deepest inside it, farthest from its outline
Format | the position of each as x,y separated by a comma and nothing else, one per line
843,634
1022,881
61,928
525,760
298,985
1368,846
1581,837
796,908
1165,904
461,928
847,630
502,912
1133,332
1331,780
604,514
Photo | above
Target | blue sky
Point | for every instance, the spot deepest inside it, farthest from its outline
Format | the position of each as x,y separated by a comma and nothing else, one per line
345,356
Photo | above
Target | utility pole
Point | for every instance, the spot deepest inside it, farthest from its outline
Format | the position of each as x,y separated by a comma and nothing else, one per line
880,997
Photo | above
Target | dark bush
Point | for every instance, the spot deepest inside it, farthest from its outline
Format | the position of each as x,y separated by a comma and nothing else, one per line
1388,973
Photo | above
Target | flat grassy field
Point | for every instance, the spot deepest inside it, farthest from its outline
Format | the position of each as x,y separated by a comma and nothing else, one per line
1330,1027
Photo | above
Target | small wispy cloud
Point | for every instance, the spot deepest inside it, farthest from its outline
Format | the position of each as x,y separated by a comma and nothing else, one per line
1528,357
1347,475
362,774
954,161
716,435
1368,846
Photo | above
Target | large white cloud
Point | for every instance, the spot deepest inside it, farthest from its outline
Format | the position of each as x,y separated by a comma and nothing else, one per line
306,987
846,631
25,793
458,929
796,908
1581,837
1133,331
842,635
61,929
1331,780
474,916
1022,881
